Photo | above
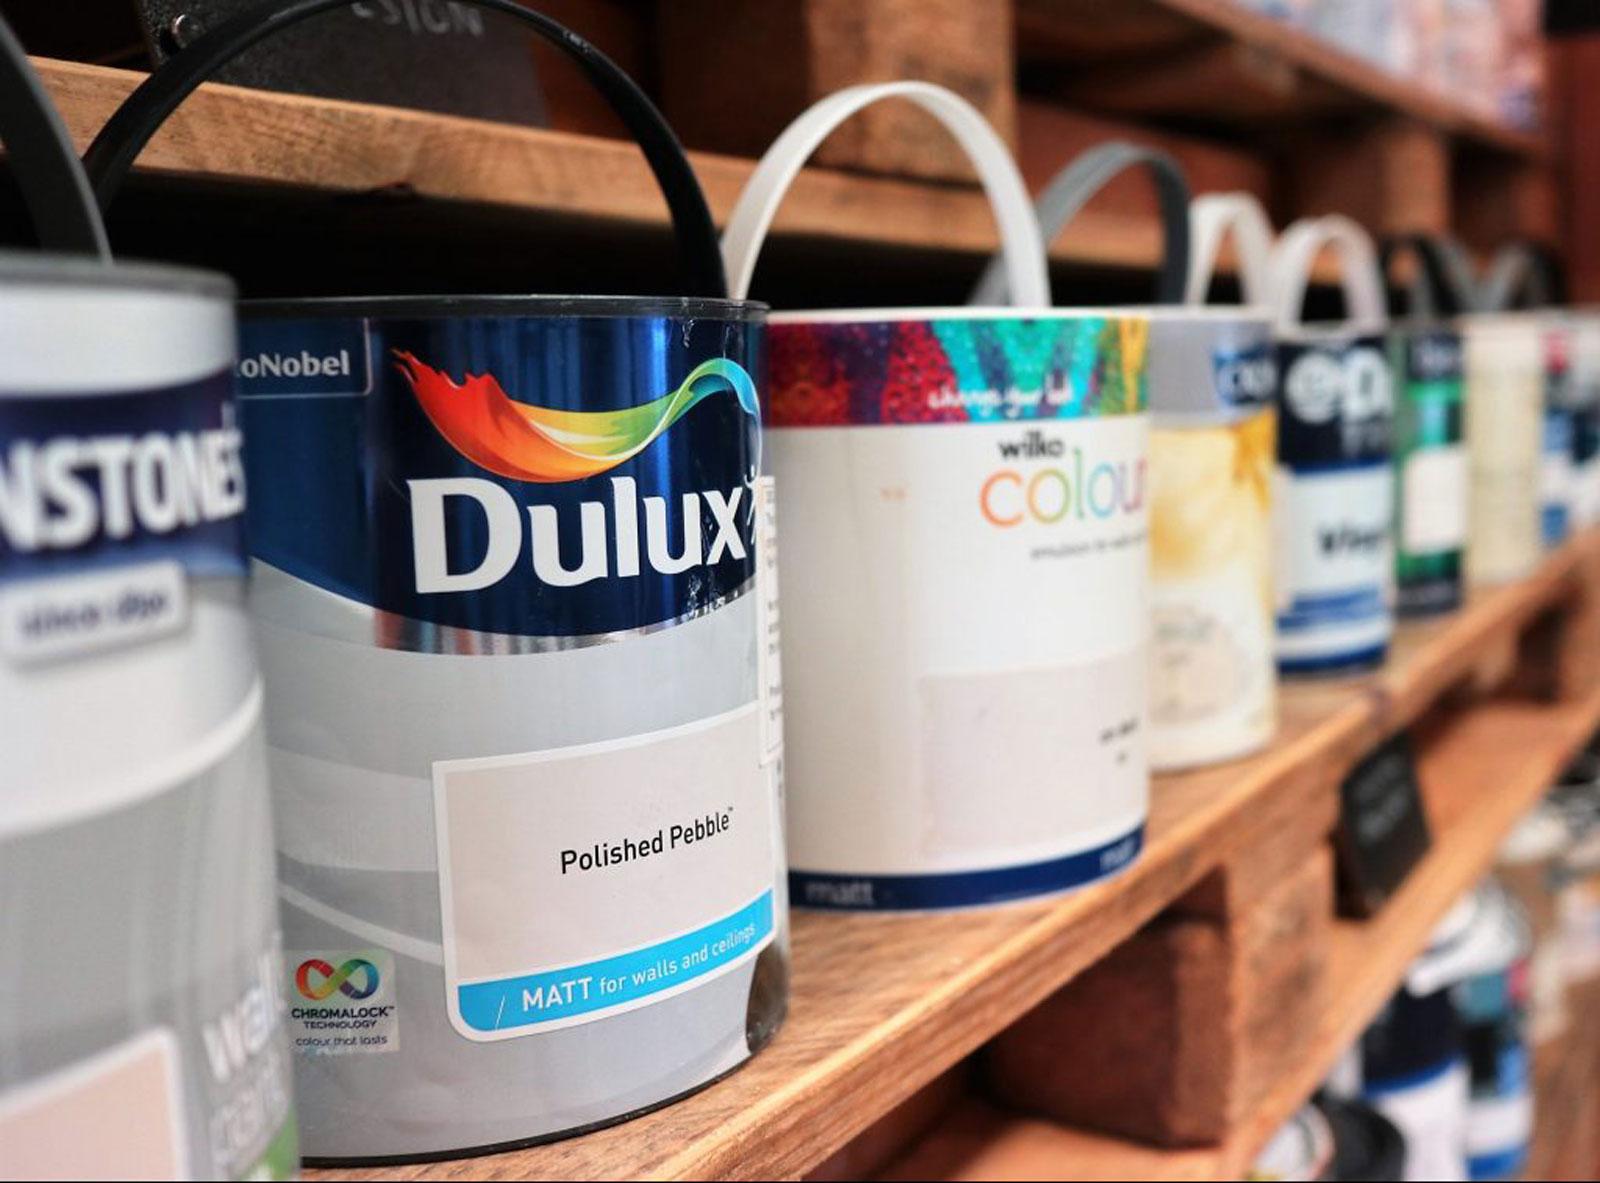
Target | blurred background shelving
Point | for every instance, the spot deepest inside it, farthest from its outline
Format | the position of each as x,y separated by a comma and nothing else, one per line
1244,98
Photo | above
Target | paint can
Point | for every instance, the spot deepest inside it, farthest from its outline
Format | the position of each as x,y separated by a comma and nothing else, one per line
1335,480
964,692
1430,457
141,1028
522,724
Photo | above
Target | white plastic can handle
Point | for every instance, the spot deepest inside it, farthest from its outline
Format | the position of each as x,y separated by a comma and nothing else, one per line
1359,273
1021,243
1211,217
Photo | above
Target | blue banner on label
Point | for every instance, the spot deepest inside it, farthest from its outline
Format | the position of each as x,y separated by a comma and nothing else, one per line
619,982
963,889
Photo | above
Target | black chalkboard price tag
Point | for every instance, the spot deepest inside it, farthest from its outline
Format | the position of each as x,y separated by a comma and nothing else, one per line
1383,831
436,55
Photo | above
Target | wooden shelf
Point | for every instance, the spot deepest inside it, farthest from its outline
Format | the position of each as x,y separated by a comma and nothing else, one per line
228,133
882,1005
1566,1091
1481,771
1222,60
263,138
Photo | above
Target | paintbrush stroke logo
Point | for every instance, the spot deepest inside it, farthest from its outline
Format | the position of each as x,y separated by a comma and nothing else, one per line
531,443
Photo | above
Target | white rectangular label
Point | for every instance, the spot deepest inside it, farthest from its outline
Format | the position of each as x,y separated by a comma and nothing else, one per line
967,625
581,882
55,618
116,1115
1336,563
1434,500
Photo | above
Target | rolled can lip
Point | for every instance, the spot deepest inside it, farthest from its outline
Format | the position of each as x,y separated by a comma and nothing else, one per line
1209,313
424,307
36,268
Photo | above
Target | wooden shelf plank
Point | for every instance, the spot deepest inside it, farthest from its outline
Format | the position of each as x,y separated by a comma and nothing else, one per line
1480,773
1280,73
1566,1096
882,1005
255,137
234,134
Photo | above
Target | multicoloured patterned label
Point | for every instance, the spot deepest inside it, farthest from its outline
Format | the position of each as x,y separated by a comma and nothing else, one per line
956,370
988,479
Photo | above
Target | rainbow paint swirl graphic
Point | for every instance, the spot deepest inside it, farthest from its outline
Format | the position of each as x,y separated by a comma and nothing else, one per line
335,979
531,443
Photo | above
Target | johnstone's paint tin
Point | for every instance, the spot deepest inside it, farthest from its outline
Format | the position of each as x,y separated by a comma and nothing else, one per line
1430,468
1213,682
522,713
966,699
141,1030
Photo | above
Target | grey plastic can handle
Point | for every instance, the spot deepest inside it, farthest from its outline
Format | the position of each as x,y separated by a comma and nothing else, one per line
1076,185
1517,267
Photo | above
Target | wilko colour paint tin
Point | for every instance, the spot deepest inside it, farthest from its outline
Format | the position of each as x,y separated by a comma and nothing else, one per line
516,597
965,505
1336,488
1212,384
141,1016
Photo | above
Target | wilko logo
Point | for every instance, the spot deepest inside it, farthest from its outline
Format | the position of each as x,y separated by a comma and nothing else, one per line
317,979
540,445
1077,489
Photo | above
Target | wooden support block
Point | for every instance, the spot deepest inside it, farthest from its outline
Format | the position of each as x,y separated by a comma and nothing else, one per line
1393,176
1500,199
1174,1036
735,72
1578,648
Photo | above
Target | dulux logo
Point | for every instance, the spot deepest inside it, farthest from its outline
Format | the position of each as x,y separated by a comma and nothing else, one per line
1435,357
1246,378
541,445
65,491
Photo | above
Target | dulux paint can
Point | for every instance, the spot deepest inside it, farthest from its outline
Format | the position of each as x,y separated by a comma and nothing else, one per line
965,712
521,718
1335,480
141,1029
1430,457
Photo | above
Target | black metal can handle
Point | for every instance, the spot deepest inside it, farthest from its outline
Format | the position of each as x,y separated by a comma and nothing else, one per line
125,134
1442,284
54,188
